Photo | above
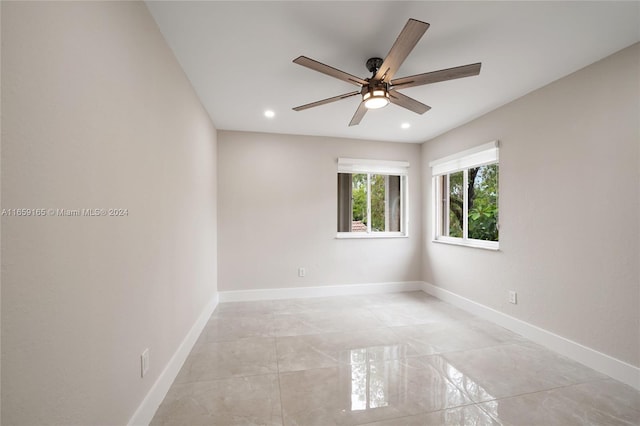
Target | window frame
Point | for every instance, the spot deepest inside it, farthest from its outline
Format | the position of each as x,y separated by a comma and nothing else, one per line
379,167
442,168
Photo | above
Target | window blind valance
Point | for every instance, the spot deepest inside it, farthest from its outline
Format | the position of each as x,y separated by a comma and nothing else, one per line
483,154
354,165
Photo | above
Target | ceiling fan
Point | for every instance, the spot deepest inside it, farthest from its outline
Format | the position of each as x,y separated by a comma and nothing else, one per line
380,89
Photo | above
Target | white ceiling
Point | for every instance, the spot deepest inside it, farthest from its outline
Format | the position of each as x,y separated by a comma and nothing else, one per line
238,57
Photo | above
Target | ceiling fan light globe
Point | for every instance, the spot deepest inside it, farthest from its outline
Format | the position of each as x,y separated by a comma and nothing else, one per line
376,99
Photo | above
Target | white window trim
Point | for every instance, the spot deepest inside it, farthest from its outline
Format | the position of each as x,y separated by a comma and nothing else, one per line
357,235
380,167
478,156
468,242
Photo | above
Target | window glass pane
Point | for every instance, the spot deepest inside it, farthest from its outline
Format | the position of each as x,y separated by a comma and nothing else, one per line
344,202
364,197
394,205
378,203
456,204
359,203
483,202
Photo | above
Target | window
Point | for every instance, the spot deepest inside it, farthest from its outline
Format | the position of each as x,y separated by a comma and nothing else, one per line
465,188
372,198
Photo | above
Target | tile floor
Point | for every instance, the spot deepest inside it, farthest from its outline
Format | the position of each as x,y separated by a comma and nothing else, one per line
389,359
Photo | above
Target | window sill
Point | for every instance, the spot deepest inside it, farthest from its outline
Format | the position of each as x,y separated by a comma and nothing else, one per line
486,245
369,235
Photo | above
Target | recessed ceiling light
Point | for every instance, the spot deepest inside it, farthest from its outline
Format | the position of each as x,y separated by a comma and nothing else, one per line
269,114
405,125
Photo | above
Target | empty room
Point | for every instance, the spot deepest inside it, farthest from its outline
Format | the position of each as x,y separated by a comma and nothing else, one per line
320,213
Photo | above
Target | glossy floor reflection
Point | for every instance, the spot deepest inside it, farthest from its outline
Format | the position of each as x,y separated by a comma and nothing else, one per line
391,359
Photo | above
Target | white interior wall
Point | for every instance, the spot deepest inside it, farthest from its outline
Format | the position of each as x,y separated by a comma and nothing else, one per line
277,210
569,209
97,113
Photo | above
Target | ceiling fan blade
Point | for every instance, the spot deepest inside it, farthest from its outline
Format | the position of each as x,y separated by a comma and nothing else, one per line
437,76
326,69
407,102
357,117
404,44
325,101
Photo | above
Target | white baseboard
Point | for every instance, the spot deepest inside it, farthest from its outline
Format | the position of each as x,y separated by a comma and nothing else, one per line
145,412
612,367
319,291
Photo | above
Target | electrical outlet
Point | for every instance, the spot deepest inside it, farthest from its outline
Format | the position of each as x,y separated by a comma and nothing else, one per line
302,272
513,297
144,362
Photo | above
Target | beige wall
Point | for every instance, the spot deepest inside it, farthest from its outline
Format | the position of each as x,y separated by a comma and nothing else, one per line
569,209
97,113
277,211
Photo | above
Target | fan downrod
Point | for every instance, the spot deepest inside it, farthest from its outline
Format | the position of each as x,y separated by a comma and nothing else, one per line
374,64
